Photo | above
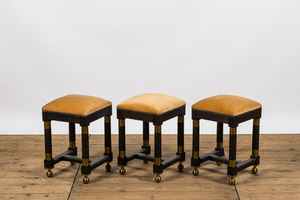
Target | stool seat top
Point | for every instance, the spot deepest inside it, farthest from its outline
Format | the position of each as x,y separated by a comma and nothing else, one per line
151,103
227,105
76,104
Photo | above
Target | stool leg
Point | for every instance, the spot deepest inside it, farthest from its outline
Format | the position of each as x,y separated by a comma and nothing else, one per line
180,140
146,139
220,140
255,144
107,140
232,169
157,166
195,160
72,140
122,159
85,168
48,162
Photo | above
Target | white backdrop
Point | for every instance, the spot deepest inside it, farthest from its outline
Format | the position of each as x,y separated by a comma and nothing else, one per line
118,49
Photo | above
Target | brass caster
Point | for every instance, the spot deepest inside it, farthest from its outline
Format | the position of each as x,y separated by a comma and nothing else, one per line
157,179
72,163
254,170
145,161
195,172
122,171
219,163
86,180
231,181
180,167
49,173
108,167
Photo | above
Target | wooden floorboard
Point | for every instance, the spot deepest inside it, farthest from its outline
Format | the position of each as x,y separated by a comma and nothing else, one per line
23,174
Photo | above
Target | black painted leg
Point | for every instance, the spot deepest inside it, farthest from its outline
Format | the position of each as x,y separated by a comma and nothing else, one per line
195,161
220,140
180,140
86,167
48,162
157,166
122,159
232,169
146,139
72,140
107,140
255,145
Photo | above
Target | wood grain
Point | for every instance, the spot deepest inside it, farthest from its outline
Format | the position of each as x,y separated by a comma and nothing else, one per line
23,174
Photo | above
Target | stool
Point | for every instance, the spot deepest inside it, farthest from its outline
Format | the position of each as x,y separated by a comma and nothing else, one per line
231,110
83,110
155,108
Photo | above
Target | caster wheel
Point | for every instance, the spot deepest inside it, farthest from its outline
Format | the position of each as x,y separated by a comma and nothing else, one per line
108,167
86,180
195,172
72,163
157,179
122,171
218,163
180,167
254,170
145,161
231,181
49,173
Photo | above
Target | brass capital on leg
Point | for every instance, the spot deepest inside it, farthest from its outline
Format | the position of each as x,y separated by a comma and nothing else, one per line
195,154
145,143
219,145
180,149
122,154
157,161
47,125
255,153
72,144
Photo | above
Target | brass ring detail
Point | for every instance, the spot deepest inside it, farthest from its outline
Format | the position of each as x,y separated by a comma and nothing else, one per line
121,122
196,123
47,125
85,130
256,122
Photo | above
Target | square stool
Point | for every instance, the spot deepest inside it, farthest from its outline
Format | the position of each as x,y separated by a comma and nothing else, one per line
231,110
155,108
83,110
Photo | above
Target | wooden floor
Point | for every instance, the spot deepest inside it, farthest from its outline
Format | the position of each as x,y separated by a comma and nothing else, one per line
23,175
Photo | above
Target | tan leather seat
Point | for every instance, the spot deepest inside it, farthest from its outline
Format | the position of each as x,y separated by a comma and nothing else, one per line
151,103
227,105
76,104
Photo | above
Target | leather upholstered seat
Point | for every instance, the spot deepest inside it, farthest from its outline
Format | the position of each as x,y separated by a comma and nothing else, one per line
151,103
76,104
227,105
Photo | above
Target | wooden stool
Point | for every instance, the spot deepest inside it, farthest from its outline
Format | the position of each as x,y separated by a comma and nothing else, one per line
231,110
83,110
155,108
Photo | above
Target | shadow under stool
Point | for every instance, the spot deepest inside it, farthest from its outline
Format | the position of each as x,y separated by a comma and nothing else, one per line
231,110
83,110
155,108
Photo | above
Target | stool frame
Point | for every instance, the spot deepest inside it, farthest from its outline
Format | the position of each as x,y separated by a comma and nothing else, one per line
234,166
71,154
144,152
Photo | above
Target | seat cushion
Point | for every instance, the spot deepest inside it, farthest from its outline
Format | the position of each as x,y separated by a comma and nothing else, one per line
151,103
227,105
76,104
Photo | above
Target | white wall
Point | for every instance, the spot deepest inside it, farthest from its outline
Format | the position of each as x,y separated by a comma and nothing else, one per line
118,49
